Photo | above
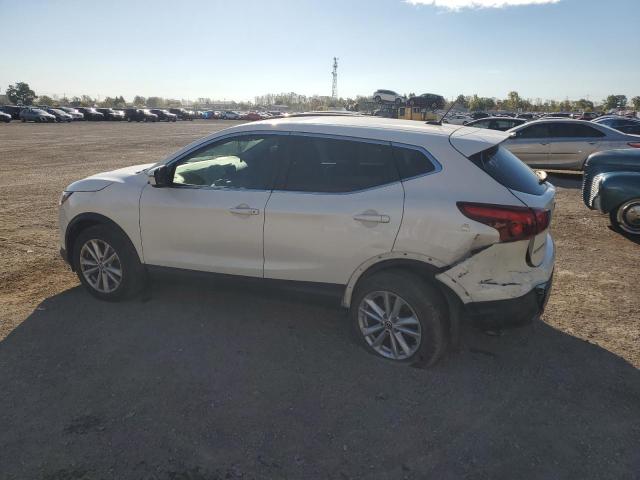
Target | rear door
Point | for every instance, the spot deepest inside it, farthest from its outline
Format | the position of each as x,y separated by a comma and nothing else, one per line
571,144
531,144
338,203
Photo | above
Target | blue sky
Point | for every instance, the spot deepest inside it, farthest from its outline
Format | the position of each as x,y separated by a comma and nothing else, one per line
237,49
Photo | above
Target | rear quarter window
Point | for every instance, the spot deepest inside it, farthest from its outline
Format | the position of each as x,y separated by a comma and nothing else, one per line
507,169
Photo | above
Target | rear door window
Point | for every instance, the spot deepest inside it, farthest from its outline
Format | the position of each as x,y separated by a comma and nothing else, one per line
573,130
540,130
507,169
412,162
319,164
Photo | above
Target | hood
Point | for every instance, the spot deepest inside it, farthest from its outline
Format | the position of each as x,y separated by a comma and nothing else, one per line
469,141
100,181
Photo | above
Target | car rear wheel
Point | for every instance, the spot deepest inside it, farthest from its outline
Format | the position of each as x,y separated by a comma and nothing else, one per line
400,317
626,218
378,99
107,264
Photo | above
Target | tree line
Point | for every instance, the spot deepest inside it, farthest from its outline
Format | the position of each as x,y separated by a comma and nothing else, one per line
22,94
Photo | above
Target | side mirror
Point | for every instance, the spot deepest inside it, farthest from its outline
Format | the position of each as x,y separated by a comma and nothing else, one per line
159,177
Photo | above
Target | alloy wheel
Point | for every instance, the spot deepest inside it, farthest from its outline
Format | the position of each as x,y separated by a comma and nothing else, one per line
100,266
389,325
628,217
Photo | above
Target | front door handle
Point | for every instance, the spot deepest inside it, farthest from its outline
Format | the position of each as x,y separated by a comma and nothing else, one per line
244,210
372,217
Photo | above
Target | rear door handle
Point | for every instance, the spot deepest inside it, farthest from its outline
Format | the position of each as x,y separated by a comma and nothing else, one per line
369,217
244,210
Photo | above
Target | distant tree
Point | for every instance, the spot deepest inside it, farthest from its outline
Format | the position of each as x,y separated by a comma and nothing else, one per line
20,94
615,101
461,101
154,102
87,101
513,101
45,100
139,101
636,103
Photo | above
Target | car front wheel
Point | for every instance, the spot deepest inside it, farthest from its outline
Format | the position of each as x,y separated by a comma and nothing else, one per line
400,317
107,264
626,218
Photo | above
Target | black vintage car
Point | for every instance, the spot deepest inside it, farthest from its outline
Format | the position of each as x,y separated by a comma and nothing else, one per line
164,115
139,115
611,184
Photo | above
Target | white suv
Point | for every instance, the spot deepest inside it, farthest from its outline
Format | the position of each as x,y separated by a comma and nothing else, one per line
387,96
417,226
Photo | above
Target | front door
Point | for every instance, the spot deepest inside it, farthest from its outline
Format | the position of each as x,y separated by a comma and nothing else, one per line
211,217
531,144
339,204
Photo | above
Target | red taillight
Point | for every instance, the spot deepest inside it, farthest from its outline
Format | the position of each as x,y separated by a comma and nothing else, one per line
634,144
513,223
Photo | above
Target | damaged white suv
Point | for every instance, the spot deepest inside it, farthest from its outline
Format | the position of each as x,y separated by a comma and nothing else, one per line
417,226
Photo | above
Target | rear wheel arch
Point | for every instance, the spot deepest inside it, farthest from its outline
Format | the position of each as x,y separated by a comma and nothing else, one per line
86,220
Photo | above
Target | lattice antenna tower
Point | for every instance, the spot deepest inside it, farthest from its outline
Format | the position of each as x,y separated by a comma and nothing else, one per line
334,75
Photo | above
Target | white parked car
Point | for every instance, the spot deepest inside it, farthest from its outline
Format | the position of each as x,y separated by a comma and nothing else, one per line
565,144
417,227
380,96
457,119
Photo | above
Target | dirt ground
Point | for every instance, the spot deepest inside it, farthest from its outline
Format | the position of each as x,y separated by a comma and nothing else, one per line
191,384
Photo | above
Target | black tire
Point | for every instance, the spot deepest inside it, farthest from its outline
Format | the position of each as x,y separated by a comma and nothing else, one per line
133,272
619,221
427,303
378,99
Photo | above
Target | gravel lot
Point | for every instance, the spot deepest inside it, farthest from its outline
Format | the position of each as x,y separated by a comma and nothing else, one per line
204,380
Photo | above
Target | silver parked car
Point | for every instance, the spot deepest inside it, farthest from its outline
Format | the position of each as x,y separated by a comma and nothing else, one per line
30,114
564,144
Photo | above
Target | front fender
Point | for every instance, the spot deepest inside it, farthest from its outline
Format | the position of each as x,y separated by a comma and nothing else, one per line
616,188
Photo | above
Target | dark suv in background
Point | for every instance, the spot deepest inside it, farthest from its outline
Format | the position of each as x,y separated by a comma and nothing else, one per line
111,114
13,110
91,113
140,115
164,115
181,113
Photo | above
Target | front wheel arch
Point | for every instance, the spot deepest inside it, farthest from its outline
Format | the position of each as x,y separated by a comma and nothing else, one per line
86,220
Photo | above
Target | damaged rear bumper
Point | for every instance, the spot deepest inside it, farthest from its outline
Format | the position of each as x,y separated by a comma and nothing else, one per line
510,313
498,288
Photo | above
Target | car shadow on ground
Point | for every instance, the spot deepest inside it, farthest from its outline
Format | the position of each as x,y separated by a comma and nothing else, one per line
200,380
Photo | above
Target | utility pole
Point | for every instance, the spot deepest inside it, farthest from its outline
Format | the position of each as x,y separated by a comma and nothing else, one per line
334,74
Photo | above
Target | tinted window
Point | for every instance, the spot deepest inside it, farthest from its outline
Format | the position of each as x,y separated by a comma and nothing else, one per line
330,165
573,130
539,130
412,162
507,169
248,161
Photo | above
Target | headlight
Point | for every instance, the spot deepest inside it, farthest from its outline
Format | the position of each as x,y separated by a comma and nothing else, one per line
64,197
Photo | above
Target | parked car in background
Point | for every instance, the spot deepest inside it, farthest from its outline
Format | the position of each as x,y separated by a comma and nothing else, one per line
5,117
380,96
230,115
13,110
457,119
31,114
525,116
622,124
252,116
61,115
181,113
557,115
479,115
611,184
75,114
564,144
164,115
91,114
587,116
404,224
497,123
111,114
139,115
